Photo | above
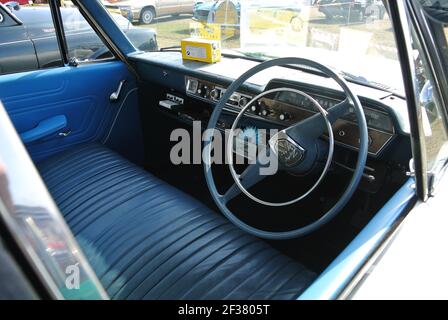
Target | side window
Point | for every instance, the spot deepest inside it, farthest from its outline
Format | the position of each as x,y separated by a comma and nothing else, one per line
82,41
27,39
433,121
434,125
429,85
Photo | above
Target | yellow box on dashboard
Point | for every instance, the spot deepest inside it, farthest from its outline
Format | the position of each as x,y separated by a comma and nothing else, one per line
201,50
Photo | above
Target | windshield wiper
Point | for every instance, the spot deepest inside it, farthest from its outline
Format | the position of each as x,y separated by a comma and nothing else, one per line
363,81
256,55
174,48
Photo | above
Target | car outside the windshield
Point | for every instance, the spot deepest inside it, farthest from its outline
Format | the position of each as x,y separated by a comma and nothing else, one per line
145,11
268,14
348,9
21,2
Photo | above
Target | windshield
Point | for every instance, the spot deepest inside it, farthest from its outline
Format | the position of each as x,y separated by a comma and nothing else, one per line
354,37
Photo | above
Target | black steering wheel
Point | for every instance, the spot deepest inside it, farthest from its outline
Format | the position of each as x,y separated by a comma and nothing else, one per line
296,149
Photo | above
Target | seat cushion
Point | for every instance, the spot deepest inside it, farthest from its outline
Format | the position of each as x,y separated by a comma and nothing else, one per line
147,240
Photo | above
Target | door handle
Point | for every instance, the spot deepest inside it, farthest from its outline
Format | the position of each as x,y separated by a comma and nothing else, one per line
116,95
45,128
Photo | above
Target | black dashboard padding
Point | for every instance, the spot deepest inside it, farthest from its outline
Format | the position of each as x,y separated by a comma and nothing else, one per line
147,240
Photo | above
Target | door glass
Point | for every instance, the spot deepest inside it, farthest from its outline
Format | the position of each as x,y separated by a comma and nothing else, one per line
433,122
433,114
82,41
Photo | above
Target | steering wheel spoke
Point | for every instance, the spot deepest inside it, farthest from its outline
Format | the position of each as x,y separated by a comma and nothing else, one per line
313,127
248,178
252,175
339,110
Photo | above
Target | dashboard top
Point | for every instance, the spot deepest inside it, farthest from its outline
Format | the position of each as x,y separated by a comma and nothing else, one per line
169,69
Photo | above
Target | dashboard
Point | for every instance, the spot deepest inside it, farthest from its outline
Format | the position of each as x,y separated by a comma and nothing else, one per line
191,89
284,108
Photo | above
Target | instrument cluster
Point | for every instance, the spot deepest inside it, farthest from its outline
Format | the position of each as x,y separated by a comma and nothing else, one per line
286,108
376,119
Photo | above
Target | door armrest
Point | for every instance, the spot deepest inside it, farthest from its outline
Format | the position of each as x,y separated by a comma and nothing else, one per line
45,128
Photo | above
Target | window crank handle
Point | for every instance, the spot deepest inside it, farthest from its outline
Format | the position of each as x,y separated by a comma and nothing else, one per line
116,95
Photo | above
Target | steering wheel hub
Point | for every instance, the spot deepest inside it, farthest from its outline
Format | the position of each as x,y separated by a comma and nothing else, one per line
288,152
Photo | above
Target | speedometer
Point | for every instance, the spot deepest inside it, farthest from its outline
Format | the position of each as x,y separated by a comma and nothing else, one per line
376,119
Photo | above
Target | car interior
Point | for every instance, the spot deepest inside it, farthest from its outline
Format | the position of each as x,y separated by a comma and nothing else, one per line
101,136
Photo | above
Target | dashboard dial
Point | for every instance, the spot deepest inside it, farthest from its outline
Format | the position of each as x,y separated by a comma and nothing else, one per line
376,119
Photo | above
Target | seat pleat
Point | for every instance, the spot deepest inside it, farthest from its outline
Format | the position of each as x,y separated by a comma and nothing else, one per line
105,190
88,180
233,273
261,271
141,252
188,255
65,173
147,277
272,282
221,269
54,164
199,258
141,241
202,272
288,289
116,229
96,209
147,240
147,257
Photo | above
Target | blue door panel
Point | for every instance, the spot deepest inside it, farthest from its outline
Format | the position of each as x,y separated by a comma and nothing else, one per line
81,94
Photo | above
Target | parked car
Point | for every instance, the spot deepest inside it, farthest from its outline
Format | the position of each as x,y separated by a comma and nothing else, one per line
35,40
21,2
205,12
145,11
267,14
347,9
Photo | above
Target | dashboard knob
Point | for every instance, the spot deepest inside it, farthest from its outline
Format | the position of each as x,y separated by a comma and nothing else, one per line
283,116
254,108
205,91
243,101
214,94
264,112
